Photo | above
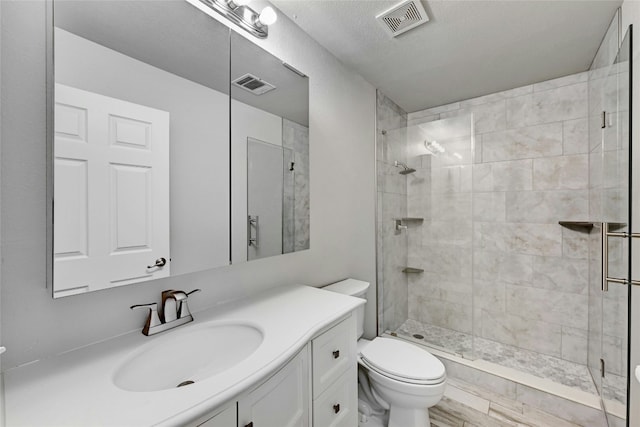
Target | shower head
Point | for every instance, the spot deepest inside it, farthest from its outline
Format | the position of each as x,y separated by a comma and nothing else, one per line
406,170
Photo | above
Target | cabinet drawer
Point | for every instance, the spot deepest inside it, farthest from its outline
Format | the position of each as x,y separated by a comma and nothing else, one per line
333,353
338,405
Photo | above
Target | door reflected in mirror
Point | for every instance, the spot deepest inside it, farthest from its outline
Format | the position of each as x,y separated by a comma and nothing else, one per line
141,158
270,154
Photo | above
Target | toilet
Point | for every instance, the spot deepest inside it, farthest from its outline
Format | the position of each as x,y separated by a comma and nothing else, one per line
397,381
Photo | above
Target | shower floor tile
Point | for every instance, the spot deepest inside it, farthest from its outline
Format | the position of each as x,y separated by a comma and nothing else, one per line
561,371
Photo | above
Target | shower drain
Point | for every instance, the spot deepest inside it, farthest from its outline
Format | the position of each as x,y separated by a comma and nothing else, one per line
418,336
184,383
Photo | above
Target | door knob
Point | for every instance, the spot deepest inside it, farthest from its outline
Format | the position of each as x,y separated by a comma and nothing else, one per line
160,262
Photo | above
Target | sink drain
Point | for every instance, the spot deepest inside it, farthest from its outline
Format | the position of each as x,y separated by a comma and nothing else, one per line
418,336
184,383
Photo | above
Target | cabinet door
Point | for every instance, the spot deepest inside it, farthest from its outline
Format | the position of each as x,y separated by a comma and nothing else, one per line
226,418
283,401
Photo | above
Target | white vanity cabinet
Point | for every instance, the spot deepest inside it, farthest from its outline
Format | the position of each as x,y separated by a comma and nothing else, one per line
317,388
281,401
226,418
335,376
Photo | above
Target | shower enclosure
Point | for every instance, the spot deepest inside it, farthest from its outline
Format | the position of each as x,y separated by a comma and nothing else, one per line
492,247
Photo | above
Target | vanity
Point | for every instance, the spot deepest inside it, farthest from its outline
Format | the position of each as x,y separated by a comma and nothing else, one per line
283,357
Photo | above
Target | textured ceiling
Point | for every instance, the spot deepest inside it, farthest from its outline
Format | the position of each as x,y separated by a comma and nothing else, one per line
467,49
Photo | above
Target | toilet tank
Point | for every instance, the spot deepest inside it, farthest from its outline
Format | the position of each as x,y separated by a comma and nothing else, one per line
354,288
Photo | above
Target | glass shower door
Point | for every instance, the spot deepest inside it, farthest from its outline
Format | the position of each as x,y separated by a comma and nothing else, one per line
616,203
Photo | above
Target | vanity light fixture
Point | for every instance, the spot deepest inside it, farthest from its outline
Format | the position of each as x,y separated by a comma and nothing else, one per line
239,13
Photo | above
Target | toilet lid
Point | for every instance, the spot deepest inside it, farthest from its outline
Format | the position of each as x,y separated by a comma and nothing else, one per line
402,360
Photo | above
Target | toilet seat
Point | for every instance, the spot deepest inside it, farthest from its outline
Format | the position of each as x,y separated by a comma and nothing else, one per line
402,362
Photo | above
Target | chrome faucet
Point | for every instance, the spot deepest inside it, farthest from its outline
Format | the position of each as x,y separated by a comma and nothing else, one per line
175,312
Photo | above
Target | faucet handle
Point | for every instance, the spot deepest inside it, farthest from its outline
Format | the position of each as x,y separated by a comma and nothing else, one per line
153,319
183,308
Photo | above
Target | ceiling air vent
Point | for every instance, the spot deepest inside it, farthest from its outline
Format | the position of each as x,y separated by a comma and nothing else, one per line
403,17
253,84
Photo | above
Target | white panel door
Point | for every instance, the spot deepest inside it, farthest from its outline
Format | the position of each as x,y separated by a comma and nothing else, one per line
283,401
111,197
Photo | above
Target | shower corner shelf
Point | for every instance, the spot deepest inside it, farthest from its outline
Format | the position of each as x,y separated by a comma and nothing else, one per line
412,270
584,226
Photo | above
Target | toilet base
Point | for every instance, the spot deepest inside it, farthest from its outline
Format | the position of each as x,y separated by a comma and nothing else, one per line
402,417
371,421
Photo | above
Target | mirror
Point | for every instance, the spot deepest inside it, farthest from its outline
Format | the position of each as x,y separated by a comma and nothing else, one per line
141,154
269,152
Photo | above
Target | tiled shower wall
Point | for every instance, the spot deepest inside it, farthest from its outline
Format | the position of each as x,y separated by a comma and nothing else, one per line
296,231
527,274
391,123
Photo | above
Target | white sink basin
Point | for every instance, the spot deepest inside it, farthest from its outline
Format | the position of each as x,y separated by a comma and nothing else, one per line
186,356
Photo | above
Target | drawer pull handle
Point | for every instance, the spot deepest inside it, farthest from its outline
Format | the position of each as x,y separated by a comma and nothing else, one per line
336,408
250,424
336,354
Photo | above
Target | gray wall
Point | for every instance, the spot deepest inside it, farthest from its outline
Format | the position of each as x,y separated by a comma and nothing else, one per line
342,114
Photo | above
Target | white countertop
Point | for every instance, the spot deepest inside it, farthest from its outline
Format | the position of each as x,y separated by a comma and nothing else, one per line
76,388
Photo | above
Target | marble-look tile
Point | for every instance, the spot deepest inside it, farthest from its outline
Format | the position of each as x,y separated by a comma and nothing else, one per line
514,175
453,261
445,339
451,206
421,120
502,266
518,238
489,117
561,104
574,345
497,96
561,274
533,419
468,399
388,114
614,352
541,365
489,206
561,81
560,308
575,243
441,313
560,173
459,233
521,332
449,180
498,385
441,287
575,136
489,295
617,422
560,407
547,207
615,309
523,143
434,110
390,180
614,387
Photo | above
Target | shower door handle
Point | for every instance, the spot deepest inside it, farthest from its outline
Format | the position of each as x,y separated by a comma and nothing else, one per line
605,234
253,223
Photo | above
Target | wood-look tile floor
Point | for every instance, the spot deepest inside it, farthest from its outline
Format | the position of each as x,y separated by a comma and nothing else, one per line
465,405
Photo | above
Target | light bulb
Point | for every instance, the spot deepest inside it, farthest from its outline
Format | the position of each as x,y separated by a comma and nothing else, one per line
268,16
